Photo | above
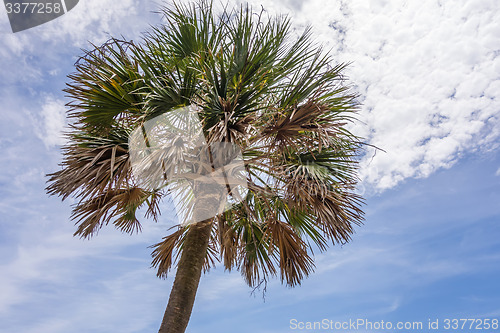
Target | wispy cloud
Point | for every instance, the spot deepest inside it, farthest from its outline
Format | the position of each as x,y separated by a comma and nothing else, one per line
50,122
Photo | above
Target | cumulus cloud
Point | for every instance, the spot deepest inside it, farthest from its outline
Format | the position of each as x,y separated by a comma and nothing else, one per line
428,73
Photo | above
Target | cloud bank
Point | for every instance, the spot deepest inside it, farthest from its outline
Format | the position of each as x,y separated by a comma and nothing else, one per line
428,74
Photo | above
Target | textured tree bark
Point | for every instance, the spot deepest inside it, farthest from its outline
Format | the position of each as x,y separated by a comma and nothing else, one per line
187,278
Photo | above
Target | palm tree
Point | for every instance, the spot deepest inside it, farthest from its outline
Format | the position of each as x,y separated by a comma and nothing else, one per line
279,99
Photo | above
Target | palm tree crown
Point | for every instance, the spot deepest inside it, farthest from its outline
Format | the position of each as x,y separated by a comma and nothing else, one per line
279,99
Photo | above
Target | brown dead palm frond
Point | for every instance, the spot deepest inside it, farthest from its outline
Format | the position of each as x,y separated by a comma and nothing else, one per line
166,253
163,253
336,208
116,205
228,242
90,169
213,250
287,128
249,240
294,261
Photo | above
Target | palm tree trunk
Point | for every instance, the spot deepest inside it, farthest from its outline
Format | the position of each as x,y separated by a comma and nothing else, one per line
207,195
180,304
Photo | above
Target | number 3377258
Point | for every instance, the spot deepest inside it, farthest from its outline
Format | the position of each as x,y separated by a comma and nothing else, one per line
470,324
33,8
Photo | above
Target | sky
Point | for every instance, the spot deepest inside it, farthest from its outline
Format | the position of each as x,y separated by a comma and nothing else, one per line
428,75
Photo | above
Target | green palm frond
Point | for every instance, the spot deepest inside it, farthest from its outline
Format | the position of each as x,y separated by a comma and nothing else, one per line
103,88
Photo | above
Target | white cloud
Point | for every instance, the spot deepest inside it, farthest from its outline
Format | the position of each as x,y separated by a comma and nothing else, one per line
428,72
30,56
498,172
98,20
53,122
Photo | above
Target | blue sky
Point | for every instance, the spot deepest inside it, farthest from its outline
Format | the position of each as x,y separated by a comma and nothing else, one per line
429,76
